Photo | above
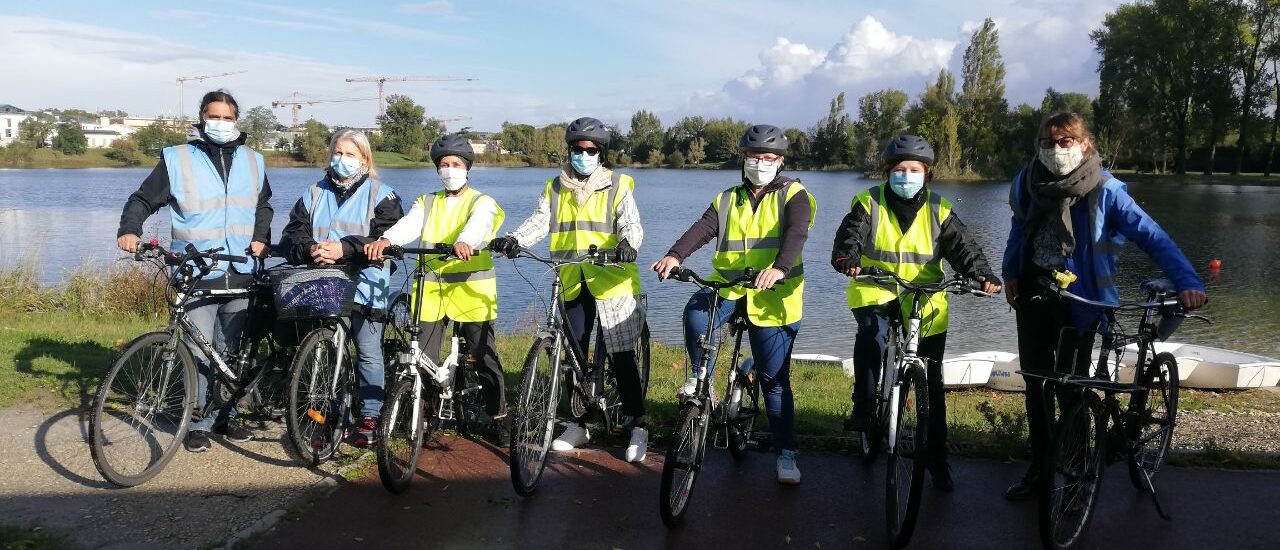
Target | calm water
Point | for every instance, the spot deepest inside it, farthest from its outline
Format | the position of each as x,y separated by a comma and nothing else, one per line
67,218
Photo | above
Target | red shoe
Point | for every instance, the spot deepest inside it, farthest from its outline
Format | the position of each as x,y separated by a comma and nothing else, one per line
364,431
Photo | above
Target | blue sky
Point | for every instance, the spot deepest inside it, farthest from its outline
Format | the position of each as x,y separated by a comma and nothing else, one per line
536,62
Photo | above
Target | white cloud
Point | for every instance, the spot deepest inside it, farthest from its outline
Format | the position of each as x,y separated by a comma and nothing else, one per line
437,7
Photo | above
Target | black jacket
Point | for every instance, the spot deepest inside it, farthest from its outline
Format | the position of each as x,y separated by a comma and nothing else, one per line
296,241
794,233
954,242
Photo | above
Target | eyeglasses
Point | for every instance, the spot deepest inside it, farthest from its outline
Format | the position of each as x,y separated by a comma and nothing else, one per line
764,159
1064,142
590,151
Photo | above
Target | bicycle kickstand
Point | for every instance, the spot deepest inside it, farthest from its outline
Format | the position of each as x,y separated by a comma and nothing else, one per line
1155,499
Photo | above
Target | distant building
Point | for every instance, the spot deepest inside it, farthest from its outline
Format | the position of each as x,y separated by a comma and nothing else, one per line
10,118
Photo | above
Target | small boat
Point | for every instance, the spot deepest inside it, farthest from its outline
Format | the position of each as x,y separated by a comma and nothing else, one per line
845,364
972,369
1004,374
1207,367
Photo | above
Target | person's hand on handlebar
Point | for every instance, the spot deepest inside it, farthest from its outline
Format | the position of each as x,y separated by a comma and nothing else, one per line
1192,299
988,286
665,266
848,266
462,250
505,245
374,250
625,253
128,242
259,249
767,278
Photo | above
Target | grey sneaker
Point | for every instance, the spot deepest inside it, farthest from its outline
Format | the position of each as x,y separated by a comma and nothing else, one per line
197,441
233,432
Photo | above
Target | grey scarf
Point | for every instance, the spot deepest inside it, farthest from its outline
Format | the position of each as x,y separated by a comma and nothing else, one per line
583,186
1052,197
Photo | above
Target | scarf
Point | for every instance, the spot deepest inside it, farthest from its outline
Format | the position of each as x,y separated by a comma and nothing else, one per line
346,183
583,187
1052,197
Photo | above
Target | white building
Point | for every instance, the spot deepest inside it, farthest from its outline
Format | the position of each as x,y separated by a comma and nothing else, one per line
10,118
107,130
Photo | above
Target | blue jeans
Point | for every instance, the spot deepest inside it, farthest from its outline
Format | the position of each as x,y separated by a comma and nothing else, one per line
771,350
367,334
220,320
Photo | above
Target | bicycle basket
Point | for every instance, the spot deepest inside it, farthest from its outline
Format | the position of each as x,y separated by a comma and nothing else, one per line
314,293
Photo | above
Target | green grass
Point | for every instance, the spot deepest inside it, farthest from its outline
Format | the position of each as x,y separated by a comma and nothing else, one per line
49,158
18,538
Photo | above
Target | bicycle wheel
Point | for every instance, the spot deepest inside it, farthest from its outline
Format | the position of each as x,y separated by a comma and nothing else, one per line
1071,475
267,398
907,456
744,421
142,409
317,402
397,327
533,420
1154,414
611,394
399,441
682,464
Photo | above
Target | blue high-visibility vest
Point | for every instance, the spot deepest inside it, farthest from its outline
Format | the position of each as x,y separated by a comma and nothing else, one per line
331,221
208,213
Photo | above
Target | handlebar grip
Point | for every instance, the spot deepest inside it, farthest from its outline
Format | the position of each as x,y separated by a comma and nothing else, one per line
229,258
682,274
395,251
873,271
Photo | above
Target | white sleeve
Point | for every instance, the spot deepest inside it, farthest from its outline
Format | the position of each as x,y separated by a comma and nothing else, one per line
409,228
477,227
628,221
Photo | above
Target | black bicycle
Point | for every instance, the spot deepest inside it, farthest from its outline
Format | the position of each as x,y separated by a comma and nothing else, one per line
1105,419
144,405
733,418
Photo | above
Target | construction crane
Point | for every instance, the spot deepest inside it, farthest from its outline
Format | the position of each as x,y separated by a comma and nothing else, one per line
297,101
181,116
382,80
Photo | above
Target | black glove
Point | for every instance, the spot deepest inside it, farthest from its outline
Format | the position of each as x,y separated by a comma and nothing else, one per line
624,254
843,265
506,245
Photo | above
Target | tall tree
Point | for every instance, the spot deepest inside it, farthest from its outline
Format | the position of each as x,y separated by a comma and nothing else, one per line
645,136
832,135
259,126
681,134
35,130
402,126
983,108
936,118
314,148
517,138
70,139
154,137
722,136
1257,46
881,117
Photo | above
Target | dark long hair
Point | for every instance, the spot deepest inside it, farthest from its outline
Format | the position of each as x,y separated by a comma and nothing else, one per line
219,96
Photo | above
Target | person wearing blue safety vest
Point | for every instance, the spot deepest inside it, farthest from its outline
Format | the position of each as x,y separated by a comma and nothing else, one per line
218,197
1071,214
905,226
331,224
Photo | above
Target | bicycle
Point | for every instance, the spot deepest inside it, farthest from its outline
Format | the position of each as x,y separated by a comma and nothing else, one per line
422,394
1094,431
733,418
900,416
145,403
591,385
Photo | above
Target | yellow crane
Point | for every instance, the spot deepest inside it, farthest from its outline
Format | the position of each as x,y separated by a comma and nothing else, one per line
296,102
382,80
182,115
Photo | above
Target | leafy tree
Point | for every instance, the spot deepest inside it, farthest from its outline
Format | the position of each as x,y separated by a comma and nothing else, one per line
675,160
516,138
259,125
432,129
721,140
314,148
124,151
681,135
655,158
35,130
697,151
881,117
70,139
936,118
282,144
403,129
831,136
1258,45
983,107
156,136
801,150
645,135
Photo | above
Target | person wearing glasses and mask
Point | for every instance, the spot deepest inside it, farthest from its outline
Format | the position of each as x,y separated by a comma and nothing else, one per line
765,221
462,290
218,195
905,227
591,204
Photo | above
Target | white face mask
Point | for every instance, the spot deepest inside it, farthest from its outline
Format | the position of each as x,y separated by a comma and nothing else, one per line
760,173
1061,161
453,178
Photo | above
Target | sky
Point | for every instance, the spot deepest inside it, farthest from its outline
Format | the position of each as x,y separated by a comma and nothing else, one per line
777,62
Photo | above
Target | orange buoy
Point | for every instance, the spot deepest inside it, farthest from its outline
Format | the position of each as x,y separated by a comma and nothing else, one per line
1215,264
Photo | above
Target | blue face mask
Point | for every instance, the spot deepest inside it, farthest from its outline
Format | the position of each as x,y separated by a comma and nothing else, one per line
906,184
220,131
344,166
583,163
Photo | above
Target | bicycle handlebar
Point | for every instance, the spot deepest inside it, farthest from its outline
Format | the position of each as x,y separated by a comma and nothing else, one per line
1052,287
593,256
684,274
398,251
152,250
956,285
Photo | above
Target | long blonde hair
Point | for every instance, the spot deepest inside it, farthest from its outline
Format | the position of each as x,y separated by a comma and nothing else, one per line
362,144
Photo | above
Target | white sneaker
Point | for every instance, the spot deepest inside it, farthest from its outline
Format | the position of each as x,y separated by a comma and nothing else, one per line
689,388
574,436
788,473
639,444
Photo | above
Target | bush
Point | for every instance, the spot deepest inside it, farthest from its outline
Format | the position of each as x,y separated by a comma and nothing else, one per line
676,160
124,151
17,154
70,139
133,289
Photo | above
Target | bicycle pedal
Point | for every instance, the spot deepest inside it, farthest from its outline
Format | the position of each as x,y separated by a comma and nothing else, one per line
720,440
445,411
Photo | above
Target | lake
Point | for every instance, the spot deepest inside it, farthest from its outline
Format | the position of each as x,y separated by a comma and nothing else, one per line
62,219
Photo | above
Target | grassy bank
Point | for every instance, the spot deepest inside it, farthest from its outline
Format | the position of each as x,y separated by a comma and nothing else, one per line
48,158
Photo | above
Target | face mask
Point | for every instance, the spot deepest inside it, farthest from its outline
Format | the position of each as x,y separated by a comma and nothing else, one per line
906,184
583,163
453,178
220,131
1061,161
760,173
345,166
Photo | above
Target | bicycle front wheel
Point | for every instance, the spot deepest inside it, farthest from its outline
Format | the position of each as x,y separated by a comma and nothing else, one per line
907,456
1072,473
533,420
682,464
1154,413
399,441
317,401
142,409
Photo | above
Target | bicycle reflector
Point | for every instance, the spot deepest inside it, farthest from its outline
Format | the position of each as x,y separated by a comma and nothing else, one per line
1064,278
316,416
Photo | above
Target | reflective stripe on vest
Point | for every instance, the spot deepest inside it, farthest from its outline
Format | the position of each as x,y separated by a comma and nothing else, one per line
575,228
463,291
331,221
209,213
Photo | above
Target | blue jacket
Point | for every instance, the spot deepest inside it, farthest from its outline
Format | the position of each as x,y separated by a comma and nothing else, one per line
1113,218
333,221
209,212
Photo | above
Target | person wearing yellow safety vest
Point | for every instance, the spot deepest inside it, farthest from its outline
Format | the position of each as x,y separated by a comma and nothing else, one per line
463,290
906,227
331,224
762,224
218,197
590,204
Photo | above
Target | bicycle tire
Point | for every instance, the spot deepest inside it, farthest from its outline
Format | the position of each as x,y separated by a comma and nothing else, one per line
1071,475
748,411
682,464
267,398
533,419
613,396
399,444
316,413
907,459
108,431
1154,415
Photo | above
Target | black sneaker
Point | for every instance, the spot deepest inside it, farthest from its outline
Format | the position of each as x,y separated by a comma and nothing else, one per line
197,441
1026,488
233,432
942,478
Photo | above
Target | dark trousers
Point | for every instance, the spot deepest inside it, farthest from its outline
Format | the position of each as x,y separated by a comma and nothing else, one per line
868,352
1048,343
481,339
580,314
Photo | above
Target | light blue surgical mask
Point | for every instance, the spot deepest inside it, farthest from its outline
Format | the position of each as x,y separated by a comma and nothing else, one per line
583,163
344,166
220,131
906,184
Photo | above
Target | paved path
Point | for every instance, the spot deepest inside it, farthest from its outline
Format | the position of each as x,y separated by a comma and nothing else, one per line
592,499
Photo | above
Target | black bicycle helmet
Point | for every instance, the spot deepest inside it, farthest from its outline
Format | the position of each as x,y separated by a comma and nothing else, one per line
764,138
908,147
452,144
587,129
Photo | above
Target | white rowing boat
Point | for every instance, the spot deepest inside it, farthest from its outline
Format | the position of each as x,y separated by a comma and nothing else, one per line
1206,367
972,369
